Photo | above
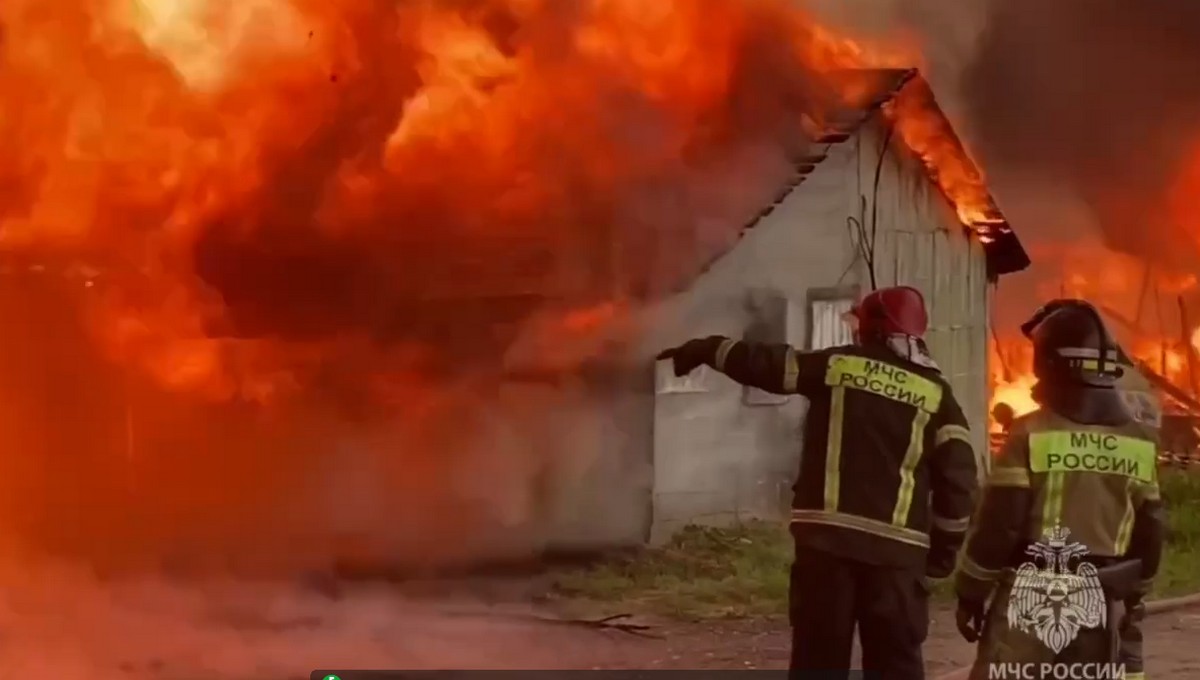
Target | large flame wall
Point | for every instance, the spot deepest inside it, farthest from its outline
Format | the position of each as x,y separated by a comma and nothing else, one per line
325,236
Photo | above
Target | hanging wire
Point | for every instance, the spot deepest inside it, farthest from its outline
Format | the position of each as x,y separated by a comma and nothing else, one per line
866,241
883,149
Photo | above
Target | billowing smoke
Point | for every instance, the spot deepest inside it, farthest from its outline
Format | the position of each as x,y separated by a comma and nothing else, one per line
365,273
1101,96
67,624
296,286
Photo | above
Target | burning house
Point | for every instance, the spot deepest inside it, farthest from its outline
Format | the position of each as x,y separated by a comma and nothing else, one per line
355,273
872,208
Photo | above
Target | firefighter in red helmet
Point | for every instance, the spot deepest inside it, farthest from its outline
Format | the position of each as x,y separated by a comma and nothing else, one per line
886,483
899,310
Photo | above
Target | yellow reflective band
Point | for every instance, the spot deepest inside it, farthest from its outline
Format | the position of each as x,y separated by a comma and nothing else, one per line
885,380
833,448
1009,476
723,353
1053,502
970,567
1073,451
1135,676
1093,365
948,433
863,524
791,371
1125,530
951,526
912,457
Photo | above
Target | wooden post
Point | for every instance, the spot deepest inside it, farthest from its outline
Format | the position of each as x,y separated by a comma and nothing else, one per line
1162,332
1120,319
1162,383
1137,318
1184,332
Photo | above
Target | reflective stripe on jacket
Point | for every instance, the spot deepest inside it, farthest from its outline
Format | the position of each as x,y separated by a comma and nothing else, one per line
1099,483
887,468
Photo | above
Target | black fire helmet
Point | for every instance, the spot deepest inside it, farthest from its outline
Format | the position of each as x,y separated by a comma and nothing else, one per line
1072,346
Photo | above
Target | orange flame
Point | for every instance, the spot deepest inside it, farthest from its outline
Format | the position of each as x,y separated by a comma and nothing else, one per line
160,136
1141,306
363,216
1181,200
930,136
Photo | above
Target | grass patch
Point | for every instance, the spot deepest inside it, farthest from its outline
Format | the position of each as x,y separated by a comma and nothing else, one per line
1180,572
703,572
742,571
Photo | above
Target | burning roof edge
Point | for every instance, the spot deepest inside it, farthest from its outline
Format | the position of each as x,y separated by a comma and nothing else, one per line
1004,252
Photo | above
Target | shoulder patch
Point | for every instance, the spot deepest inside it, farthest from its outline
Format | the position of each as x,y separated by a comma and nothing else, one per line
1092,451
883,379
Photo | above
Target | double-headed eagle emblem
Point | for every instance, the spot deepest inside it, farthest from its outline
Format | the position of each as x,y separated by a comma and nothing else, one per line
1051,601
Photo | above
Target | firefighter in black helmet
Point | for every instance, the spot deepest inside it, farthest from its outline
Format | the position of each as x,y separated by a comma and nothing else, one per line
1075,479
886,485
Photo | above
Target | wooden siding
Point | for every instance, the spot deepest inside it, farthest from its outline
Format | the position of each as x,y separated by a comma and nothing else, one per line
920,243
951,271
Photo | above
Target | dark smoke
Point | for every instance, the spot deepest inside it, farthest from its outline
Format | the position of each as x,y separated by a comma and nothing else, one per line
611,194
372,345
1100,94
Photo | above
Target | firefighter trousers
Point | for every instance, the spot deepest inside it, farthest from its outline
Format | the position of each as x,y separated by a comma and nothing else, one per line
831,596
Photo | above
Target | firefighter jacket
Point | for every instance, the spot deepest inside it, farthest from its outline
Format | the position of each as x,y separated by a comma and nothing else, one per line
887,472
1098,482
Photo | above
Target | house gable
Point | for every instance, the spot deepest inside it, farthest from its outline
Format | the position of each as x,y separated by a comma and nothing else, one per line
1005,254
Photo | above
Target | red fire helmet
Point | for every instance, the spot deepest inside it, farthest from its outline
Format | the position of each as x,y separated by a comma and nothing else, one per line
892,310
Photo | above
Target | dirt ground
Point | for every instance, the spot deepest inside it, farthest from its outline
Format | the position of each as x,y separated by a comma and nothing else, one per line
1171,640
72,628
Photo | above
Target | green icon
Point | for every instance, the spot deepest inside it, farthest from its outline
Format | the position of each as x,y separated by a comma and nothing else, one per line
331,677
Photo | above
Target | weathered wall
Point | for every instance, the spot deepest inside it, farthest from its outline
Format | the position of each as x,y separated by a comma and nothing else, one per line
715,457
922,246
598,473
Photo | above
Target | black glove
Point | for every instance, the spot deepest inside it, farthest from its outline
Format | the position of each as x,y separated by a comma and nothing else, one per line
1135,611
692,354
969,619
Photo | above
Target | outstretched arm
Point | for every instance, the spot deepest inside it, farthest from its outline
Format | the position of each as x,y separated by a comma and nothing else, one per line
775,368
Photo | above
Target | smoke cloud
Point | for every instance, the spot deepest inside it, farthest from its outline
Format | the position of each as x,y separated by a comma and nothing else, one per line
1086,118
369,271
67,624
1101,96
